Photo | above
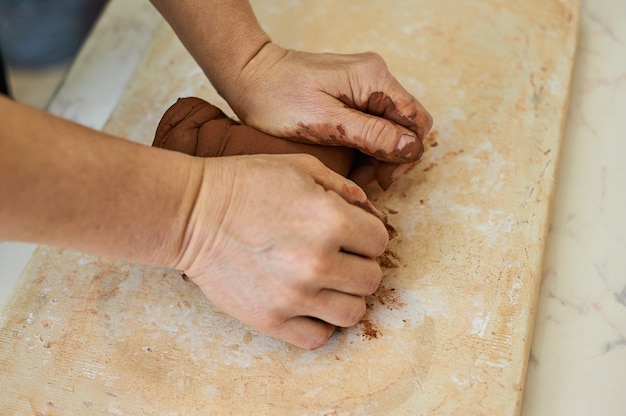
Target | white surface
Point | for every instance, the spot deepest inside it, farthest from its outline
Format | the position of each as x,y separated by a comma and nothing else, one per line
13,258
578,362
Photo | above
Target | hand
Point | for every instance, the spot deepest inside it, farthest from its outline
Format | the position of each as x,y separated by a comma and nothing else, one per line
278,242
348,100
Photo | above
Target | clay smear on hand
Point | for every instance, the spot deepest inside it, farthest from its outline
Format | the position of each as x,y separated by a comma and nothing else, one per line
410,128
381,105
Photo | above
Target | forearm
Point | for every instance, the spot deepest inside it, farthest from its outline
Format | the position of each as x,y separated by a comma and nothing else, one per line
66,185
221,35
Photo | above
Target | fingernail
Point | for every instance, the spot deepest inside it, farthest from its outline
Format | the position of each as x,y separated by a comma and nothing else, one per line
409,147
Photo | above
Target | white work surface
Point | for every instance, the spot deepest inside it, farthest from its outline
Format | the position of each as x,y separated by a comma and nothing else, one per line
578,361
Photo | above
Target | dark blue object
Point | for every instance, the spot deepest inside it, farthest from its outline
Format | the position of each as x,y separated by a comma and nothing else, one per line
37,33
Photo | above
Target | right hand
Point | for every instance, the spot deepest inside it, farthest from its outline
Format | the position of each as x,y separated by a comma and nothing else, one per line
279,243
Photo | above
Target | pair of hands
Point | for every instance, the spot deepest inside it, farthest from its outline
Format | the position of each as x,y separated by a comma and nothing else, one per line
281,242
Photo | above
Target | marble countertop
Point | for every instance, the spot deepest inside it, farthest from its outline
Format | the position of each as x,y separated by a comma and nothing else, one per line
578,359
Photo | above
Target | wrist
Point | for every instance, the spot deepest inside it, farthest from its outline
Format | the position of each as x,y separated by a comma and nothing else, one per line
69,186
203,206
244,89
222,36
227,69
174,213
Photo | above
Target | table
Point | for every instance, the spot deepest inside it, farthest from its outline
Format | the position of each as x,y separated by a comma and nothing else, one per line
578,360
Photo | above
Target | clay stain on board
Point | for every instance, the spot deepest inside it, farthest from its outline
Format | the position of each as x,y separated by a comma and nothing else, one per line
370,330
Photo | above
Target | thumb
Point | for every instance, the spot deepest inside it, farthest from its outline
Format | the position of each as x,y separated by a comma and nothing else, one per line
379,137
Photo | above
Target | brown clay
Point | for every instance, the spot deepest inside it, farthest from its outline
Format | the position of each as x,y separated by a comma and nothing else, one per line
195,127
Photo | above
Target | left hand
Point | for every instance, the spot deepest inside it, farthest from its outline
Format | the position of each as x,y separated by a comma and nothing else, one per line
332,99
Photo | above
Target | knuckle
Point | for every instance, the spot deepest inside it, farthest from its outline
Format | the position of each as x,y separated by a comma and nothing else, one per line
268,320
331,218
369,63
337,221
284,304
374,59
312,267
290,301
378,65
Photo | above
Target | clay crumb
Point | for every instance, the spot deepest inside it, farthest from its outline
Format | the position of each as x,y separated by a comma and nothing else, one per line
388,297
431,138
387,260
429,167
391,230
370,331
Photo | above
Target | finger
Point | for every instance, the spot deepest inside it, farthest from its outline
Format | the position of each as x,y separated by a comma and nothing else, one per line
352,274
363,175
332,181
373,135
388,173
398,105
337,308
304,332
363,235
360,234
367,170
385,173
364,168
387,99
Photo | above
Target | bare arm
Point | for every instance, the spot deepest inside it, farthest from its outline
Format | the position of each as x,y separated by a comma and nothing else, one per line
67,185
223,36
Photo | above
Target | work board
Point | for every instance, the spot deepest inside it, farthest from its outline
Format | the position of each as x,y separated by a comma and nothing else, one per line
449,330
